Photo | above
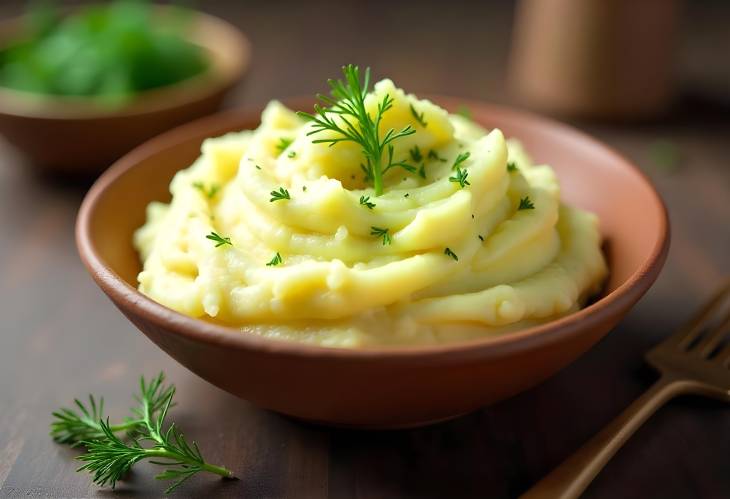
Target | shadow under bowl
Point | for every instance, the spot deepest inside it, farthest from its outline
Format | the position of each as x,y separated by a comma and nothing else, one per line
381,387
79,136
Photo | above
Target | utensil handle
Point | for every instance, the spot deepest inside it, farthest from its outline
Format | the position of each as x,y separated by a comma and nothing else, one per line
571,478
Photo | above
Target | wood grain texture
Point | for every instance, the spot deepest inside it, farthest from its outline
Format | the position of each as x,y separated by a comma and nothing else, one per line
60,338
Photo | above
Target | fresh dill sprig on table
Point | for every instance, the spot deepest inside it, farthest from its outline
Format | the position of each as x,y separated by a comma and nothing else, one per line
219,240
384,233
279,195
365,201
460,178
72,427
526,204
418,116
109,457
275,261
348,118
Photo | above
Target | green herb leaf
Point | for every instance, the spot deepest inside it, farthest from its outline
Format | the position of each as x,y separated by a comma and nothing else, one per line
365,201
401,164
526,204
291,154
460,159
418,117
279,195
109,457
219,240
460,178
378,232
416,155
450,253
275,261
511,166
284,142
348,118
208,192
422,171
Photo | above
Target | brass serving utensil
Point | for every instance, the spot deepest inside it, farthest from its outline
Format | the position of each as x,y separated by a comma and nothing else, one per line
696,359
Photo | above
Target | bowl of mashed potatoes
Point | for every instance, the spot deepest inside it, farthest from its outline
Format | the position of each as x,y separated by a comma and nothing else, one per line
380,262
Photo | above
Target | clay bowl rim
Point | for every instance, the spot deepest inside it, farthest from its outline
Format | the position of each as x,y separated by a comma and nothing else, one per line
127,297
216,78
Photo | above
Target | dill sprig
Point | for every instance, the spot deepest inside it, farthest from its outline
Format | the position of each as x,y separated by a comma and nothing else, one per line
416,155
291,154
275,261
450,253
284,143
72,427
279,195
365,201
460,159
460,177
418,116
526,204
511,166
422,171
350,120
393,164
209,192
384,233
219,240
108,457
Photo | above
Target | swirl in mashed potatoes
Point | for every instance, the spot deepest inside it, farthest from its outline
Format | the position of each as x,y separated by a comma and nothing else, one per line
338,284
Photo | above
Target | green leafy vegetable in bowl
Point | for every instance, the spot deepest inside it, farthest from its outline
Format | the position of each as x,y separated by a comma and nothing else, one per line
110,52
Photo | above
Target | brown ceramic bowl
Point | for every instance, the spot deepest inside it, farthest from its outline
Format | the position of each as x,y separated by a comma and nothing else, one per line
380,387
78,136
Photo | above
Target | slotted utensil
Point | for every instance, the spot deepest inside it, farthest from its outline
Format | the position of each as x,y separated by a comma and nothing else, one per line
696,360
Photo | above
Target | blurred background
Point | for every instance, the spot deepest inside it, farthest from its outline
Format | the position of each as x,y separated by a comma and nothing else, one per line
650,78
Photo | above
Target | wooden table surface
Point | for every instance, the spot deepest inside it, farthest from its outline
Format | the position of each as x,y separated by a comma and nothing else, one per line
60,338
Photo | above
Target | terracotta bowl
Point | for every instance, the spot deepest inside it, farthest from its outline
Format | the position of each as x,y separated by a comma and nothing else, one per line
75,135
380,387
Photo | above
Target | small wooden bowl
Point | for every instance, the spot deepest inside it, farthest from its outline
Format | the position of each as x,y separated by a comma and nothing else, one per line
380,387
77,135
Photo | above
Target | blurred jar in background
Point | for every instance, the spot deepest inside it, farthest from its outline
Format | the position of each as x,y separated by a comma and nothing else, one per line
594,58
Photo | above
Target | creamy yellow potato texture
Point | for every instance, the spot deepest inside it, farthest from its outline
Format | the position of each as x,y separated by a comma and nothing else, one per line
460,260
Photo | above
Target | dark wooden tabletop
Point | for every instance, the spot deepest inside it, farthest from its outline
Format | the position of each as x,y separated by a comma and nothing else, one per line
60,338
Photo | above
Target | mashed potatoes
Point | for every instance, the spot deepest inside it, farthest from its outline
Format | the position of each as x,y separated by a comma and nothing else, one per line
436,258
